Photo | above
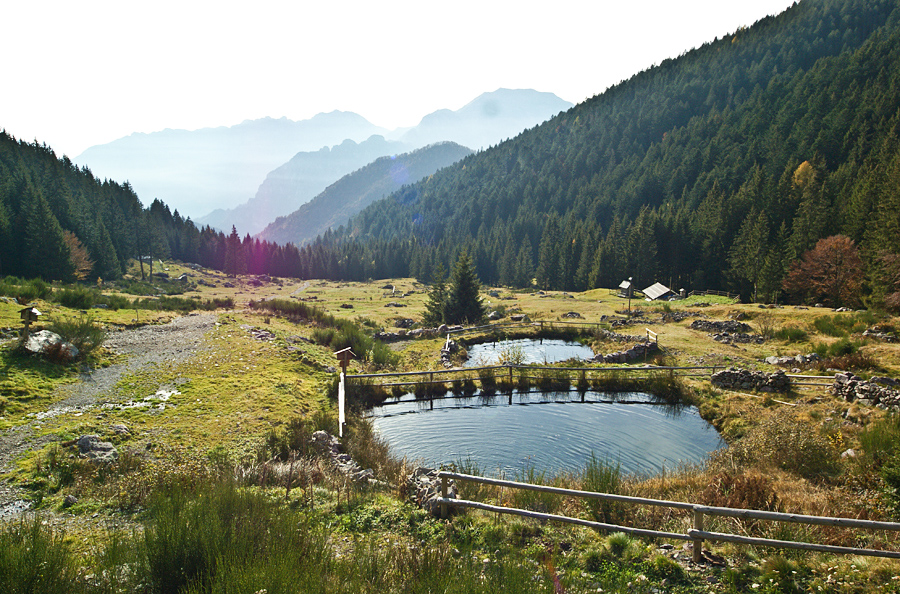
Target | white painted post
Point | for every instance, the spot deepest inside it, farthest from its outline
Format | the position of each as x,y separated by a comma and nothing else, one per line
341,400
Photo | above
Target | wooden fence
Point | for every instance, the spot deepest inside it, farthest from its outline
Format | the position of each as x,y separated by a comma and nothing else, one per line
697,534
475,373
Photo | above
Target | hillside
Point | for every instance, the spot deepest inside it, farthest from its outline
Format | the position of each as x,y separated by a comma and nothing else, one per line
199,170
58,221
353,192
298,181
795,118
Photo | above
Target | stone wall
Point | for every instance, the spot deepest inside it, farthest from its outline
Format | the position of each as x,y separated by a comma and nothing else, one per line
853,388
744,379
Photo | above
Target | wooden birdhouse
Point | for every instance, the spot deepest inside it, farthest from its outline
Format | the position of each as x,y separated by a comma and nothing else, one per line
344,356
29,315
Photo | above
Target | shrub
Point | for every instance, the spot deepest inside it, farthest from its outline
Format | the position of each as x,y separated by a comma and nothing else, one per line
81,331
747,491
786,443
791,334
35,560
76,297
25,290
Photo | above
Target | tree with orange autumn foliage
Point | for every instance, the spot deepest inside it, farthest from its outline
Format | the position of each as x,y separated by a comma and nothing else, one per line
830,273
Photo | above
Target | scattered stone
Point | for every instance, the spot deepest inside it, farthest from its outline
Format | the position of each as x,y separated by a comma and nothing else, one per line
572,315
738,338
494,315
120,429
330,446
882,333
394,304
346,306
785,361
228,285
404,323
90,447
69,501
424,488
520,318
744,379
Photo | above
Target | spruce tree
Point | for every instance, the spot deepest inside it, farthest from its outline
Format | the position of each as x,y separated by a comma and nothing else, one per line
463,301
437,298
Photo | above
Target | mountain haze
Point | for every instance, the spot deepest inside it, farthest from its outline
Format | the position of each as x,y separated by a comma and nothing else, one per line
198,171
298,181
488,119
353,192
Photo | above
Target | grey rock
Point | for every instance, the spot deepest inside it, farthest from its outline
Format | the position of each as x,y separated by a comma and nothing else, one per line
39,343
90,447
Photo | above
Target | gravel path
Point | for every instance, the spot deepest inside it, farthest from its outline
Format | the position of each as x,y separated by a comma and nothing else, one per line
143,347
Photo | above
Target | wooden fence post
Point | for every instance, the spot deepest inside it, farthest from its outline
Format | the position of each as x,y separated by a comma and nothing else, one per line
697,546
443,496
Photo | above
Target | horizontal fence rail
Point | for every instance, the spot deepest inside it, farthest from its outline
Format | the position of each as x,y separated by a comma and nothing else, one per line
696,535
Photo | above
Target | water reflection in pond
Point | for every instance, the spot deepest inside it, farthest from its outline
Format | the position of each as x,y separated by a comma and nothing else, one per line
526,350
552,432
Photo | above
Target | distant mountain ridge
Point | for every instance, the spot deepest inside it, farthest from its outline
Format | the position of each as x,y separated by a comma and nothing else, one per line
298,181
198,171
353,192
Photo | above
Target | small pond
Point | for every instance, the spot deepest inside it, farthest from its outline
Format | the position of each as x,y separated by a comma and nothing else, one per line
532,350
548,432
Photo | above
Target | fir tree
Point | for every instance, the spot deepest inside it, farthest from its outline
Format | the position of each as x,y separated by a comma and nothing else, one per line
463,301
437,298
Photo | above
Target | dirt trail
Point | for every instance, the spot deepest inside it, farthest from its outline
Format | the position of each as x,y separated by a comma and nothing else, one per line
143,347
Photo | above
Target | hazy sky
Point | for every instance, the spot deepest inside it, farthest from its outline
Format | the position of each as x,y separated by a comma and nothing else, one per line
77,74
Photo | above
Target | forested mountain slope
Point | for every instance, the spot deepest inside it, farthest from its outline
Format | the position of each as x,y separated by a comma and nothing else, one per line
355,191
787,129
53,215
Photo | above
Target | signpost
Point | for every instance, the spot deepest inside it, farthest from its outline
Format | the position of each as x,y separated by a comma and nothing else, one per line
28,315
343,356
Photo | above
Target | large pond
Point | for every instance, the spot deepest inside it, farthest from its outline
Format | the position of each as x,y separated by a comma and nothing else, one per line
548,432
526,351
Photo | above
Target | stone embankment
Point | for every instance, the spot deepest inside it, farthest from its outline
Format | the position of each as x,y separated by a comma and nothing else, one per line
744,379
330,446
853,388
424,488
639,351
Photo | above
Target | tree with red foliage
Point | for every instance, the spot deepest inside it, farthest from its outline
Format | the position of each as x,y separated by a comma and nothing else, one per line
831,272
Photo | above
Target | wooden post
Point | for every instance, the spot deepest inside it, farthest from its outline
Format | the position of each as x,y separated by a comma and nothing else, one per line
697,546
443,496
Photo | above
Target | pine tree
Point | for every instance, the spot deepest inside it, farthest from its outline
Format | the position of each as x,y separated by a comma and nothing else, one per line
748,252
235,259
437,298
47,254
464,304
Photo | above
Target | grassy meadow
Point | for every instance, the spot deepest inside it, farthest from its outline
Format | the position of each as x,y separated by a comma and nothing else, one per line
218,490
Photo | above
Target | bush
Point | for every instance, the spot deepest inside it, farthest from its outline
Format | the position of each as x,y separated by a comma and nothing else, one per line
76,297
25,290
786,443
83,332
791,334
34,560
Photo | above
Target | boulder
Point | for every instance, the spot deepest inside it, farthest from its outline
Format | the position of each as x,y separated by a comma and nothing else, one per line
90,447
867,393
44,342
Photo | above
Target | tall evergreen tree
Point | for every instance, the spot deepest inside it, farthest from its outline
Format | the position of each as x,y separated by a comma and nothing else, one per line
47,254
464,304
436,303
